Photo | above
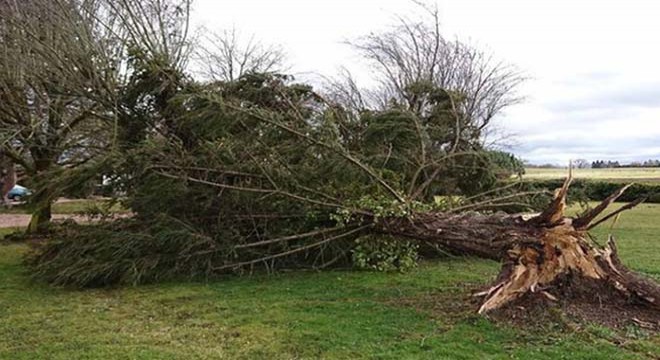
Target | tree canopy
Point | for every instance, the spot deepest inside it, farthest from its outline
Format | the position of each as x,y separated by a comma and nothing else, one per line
267,171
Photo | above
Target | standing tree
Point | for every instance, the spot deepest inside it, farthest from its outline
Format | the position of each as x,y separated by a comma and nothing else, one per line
55,62
7,178
224,57
433,82
582,164
413,59
64,72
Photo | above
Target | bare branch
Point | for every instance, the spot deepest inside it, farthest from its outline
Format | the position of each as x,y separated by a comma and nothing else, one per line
224,57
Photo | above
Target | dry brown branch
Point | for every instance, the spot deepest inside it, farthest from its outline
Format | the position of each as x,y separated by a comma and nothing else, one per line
584,220
616,212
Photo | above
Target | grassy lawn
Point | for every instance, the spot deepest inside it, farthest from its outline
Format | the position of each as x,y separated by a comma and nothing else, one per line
307,315
638,234
643,175
69,207
9,230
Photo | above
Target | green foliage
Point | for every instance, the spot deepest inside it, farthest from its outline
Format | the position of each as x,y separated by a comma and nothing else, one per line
238,163
505,164
474,173
384,253
584,189
120,253
441,203
144,99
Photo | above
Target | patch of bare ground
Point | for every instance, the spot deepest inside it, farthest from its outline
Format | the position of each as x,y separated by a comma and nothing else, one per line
22,220
579,302
578,305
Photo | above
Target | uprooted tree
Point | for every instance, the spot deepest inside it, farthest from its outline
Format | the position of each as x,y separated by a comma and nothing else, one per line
266,179
264,173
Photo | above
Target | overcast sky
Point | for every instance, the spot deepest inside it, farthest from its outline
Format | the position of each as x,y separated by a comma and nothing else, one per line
594,91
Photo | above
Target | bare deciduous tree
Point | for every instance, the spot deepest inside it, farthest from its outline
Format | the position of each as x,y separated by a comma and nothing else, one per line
449,88
64,63
159,28
225,57
51,65
415,52
582,163
7,178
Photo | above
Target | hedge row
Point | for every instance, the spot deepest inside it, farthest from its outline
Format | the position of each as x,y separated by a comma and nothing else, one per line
599,190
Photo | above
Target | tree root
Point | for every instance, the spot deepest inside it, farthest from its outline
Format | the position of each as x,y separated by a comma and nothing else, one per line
562,250
540,254
565,254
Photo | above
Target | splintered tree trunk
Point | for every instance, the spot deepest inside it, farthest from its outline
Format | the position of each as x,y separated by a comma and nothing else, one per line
541,254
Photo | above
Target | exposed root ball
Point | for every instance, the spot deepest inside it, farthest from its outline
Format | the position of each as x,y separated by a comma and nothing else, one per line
579,299
540,255
565,258
561,250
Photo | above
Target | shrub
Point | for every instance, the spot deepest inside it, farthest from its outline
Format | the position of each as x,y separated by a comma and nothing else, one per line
599,190
384,253
505,164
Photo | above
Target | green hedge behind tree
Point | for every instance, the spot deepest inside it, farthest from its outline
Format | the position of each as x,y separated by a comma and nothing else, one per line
599,190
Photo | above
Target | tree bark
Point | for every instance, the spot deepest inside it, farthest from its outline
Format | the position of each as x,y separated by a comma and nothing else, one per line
540,253
7,179
42,199
40,219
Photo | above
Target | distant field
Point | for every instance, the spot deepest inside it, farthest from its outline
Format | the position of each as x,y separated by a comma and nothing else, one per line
642,175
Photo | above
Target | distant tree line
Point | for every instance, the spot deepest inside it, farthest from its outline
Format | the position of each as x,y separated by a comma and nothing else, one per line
600,164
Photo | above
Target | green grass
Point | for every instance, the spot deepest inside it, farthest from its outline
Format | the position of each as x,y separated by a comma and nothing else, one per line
7,231
638,234
74,207
306,315
644,175
69,207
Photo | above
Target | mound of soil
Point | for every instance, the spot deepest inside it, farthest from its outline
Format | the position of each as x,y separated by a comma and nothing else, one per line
577,303
580,300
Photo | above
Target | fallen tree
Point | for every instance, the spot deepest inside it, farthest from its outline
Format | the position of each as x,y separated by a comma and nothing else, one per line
264,173
253,175
545,255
